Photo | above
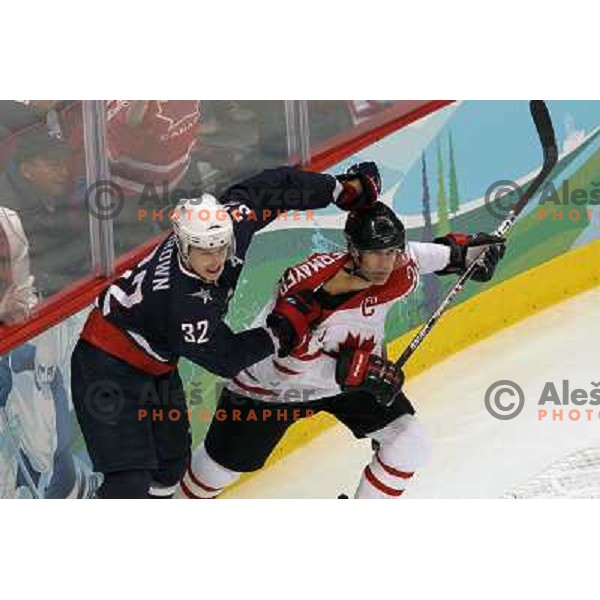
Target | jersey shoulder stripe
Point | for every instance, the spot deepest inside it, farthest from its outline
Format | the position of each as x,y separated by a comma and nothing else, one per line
312,272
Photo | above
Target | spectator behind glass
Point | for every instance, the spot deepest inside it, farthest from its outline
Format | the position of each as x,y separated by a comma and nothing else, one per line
61,118
150,143
17,292
35,212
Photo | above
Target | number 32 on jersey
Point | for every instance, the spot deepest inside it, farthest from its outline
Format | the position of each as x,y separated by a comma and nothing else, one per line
195,334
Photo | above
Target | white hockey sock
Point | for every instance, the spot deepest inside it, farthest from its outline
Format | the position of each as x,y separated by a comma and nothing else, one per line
204,478
192,488
404,447
381,481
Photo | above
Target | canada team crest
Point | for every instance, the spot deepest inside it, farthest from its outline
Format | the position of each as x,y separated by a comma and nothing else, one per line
177,112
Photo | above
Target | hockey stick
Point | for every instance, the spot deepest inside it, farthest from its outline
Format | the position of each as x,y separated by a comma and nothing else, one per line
543,124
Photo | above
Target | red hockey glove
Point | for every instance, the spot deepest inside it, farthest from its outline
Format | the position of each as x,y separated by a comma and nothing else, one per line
352,199
292,318
358,369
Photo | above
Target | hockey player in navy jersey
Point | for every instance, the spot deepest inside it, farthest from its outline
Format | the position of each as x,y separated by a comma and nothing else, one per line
341,367
171,305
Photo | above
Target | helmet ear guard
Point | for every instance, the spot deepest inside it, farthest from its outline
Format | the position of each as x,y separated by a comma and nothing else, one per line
356,260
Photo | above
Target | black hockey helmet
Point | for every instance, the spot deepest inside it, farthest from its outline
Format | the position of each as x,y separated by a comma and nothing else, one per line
377,228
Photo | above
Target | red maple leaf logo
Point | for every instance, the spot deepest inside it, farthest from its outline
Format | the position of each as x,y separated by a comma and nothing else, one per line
175,112
354,341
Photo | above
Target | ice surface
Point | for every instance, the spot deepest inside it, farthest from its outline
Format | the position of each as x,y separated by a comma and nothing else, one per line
475,455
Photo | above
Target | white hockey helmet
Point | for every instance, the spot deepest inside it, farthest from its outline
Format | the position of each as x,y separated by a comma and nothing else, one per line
49,351
202,223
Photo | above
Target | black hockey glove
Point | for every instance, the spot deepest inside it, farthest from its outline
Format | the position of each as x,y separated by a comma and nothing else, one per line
370,181
292,318
359,369
466,248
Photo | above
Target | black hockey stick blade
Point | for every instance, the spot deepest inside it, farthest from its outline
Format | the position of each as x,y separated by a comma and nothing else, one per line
543,124
545,130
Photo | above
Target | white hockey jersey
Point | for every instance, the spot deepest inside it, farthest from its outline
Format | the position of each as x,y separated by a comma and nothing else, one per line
309,372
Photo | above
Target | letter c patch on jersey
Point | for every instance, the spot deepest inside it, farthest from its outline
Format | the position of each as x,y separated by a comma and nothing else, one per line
367,306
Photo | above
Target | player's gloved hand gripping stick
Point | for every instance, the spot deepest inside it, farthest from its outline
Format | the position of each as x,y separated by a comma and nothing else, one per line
543,124
361,369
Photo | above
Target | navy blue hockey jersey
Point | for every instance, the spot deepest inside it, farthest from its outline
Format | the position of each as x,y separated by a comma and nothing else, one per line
166,311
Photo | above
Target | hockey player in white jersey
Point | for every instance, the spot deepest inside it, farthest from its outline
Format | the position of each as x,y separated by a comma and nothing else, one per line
36,459
341,367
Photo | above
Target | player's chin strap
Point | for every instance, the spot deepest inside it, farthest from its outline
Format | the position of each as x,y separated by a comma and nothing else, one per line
354,270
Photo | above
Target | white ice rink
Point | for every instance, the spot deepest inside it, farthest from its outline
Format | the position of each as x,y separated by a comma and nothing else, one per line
475,455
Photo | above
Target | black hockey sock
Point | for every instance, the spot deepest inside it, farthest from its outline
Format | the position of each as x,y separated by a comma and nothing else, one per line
125,484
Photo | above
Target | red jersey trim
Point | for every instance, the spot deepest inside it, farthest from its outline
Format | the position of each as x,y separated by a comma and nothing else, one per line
104,335
283,369
252,388
403,280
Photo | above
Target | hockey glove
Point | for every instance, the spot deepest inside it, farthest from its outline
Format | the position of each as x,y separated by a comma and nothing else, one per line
358,369
351,198
292,318
466,248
